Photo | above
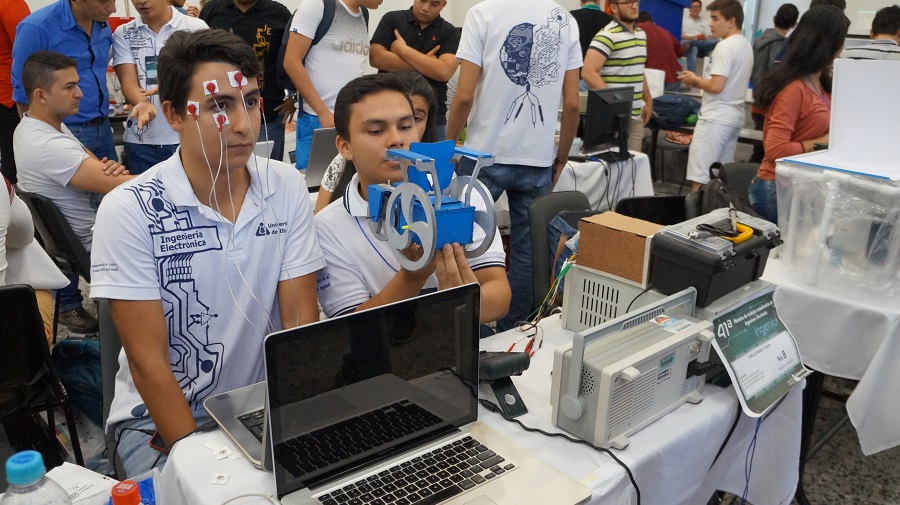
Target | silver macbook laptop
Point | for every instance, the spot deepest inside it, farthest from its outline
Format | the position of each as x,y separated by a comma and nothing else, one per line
264,149
321,151
378,407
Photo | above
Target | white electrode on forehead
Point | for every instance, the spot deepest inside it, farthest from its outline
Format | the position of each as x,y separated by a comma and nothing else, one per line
237,79
193,108
210,87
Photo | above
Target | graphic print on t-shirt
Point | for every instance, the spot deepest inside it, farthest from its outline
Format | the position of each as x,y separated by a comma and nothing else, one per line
195,359
144,56
528,57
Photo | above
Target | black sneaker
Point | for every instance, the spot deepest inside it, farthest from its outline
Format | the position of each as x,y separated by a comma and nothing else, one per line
79,321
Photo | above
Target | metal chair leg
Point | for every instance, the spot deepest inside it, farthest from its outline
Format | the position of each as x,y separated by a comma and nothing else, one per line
73,434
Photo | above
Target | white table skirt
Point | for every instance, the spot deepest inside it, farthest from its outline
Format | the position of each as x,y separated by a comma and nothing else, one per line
628,178
855,337
669,458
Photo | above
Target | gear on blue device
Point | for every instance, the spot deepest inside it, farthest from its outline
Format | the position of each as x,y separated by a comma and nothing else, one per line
430,207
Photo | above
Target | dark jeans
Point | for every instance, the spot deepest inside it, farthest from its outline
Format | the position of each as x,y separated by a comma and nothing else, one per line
274,130
70,296
9,119
523,185
141,157
97,138
764,199
758,151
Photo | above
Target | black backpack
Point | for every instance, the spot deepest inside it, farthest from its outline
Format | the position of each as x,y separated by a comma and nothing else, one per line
672,110
327,18
717,195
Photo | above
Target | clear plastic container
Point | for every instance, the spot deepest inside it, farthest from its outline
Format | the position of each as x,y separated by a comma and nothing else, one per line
28,483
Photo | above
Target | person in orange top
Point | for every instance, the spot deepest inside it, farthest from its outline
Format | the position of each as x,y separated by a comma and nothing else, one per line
796,96
11,12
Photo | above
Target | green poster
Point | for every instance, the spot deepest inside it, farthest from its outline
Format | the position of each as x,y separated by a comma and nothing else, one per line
759,353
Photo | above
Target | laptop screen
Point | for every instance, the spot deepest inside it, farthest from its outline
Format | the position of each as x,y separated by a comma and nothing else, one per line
349,392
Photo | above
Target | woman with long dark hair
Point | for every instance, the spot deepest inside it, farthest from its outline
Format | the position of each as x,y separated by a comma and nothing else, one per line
340,171
796,95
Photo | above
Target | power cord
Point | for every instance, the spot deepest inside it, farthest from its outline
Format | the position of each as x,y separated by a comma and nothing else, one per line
208,425
748,462
115,451
627,310
494,408
269,497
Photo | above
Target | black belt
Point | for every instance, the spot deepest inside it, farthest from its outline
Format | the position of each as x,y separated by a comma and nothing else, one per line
97,121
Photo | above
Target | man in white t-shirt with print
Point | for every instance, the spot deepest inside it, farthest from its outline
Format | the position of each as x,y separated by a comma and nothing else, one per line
373,114
319,71
516,60
53,163
724,93
201,256
136,45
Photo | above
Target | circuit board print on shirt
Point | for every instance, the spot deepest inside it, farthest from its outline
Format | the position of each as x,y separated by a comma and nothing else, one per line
144,55
529,57
195,359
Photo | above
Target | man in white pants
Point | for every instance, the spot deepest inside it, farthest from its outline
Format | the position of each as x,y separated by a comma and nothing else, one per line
724,91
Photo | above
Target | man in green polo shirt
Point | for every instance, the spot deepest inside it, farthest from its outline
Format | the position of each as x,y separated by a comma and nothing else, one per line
616,57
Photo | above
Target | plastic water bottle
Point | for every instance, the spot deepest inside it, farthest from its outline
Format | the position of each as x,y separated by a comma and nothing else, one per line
28,483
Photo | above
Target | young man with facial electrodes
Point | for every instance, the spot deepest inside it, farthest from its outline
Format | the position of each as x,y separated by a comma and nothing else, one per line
204,254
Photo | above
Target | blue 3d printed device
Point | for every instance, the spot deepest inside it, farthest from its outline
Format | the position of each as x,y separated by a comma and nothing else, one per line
430,207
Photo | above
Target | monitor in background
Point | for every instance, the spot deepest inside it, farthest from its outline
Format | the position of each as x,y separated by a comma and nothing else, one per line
606,122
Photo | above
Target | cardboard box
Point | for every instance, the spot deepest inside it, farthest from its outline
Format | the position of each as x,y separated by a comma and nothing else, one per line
617,245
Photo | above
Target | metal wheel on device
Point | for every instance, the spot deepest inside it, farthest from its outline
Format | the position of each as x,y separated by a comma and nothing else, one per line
461,189
401,204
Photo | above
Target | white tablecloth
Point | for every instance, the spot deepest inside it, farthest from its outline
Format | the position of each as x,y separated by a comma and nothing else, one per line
627,178
855,337
669,459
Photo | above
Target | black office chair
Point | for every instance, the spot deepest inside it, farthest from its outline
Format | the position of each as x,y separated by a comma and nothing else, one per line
738,177
540,212
58,239
28,383
660,209
110,345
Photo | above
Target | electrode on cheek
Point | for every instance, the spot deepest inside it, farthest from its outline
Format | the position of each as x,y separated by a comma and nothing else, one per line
237,79
221,120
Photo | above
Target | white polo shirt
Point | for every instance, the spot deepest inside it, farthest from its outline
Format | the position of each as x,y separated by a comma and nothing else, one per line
135,43
360,265
217,281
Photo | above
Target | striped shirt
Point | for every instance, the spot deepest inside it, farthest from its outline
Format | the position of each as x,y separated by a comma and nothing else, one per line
881,49
626,54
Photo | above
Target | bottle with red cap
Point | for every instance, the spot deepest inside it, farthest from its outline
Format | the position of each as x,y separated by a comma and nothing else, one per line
126,493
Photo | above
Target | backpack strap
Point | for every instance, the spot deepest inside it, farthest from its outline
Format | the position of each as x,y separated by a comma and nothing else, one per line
327,20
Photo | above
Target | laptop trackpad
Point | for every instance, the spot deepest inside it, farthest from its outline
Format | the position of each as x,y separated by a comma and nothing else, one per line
481,500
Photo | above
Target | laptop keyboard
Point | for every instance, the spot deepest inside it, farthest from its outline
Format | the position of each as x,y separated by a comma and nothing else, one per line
428,479
346,439
254,422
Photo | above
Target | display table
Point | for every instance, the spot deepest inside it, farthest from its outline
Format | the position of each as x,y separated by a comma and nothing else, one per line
626,178
670,459
856,337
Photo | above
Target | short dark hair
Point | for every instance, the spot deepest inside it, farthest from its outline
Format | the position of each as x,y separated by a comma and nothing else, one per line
729,9
416,85
39,67
696,2
787,16
887,21
644,17
840,4
185,51
356,90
